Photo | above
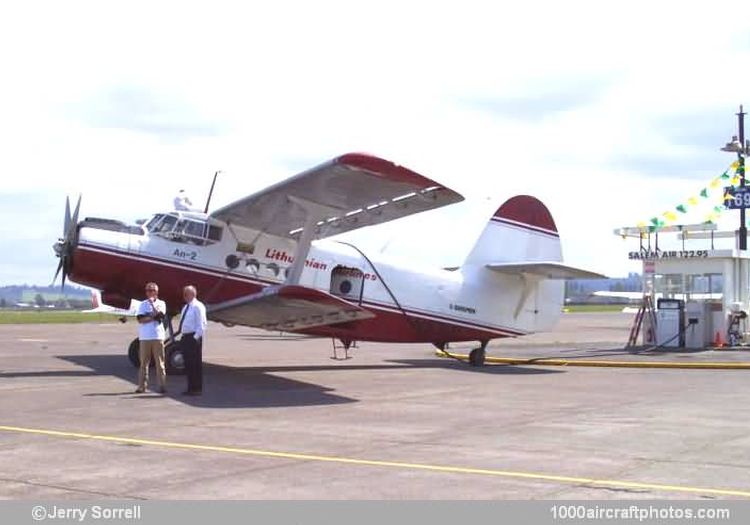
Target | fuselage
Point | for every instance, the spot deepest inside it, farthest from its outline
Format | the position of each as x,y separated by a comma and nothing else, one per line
410,304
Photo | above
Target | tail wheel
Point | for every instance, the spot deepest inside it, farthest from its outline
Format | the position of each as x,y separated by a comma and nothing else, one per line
476,357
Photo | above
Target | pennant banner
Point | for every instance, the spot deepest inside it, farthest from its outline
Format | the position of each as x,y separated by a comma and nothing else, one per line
730,175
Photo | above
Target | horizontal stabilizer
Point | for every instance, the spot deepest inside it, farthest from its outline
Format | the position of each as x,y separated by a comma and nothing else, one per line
544,270
287,308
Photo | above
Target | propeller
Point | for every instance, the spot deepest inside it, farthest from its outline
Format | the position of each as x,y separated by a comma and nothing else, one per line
65,245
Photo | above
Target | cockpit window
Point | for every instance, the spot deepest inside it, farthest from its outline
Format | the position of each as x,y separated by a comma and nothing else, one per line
166,225
190,230
153,222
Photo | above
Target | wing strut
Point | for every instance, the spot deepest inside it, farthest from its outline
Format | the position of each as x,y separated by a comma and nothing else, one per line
314,213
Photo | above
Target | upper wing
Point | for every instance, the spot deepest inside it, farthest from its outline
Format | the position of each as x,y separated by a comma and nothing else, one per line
287,308
545,270
348,192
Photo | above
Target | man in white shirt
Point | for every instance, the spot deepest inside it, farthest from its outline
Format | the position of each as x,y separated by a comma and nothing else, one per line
183,203
193,328
151,335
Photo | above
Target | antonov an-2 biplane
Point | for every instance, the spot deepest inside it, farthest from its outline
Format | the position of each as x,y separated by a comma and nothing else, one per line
266,261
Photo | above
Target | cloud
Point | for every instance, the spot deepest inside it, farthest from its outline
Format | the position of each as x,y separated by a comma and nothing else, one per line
708,129
683,145
143,110
30,222
680,163
609,118
545,97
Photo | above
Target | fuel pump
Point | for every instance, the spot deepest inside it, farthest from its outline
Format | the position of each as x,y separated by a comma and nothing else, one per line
670,323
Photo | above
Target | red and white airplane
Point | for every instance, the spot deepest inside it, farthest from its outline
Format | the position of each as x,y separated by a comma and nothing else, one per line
266,261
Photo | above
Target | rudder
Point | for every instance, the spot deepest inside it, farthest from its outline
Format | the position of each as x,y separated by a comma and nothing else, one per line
522,229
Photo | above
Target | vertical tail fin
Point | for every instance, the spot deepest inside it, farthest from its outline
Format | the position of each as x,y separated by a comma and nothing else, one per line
522,229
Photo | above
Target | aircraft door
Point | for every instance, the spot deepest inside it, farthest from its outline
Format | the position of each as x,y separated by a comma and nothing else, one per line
348,283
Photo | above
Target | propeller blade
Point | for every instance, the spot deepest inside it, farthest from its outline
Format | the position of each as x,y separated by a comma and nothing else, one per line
62,288
59,267
66,223
74,220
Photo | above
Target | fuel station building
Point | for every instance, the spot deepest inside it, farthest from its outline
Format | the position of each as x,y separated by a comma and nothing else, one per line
696,286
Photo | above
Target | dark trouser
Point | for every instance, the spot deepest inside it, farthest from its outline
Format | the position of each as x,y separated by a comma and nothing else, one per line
193,351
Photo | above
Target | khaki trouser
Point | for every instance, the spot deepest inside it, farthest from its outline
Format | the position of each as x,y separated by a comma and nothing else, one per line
147,349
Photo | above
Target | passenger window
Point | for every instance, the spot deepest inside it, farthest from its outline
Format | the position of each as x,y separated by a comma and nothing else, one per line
214,233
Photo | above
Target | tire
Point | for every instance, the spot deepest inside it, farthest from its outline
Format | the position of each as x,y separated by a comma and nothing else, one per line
135,360
476,357
175,361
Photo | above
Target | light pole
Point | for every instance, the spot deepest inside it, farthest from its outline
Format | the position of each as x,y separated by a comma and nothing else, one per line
738,145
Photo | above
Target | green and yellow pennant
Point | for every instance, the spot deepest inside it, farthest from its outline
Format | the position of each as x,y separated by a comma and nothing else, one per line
731,174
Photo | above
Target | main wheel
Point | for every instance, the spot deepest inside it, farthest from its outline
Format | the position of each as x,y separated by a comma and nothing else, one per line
476,357
175,359
133,353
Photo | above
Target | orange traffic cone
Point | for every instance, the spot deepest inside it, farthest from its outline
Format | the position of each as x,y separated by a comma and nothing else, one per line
718,340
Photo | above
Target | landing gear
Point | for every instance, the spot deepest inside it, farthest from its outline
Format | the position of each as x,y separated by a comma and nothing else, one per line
346,344
133,355
174,359
477,356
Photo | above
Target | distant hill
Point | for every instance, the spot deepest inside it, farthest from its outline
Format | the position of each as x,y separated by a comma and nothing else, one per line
24,293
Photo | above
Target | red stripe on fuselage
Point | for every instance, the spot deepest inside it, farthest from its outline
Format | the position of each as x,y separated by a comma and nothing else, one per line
126,273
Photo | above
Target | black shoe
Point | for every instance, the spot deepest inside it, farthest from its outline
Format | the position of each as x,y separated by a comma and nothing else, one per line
191,393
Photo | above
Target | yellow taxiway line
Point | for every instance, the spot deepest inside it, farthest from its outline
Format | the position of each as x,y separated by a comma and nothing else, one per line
551,361
573,480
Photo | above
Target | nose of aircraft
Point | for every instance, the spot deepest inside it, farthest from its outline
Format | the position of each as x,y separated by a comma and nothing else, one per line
66,244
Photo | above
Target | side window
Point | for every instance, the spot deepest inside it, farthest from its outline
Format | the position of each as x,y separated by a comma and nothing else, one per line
214,233
195,229
347,282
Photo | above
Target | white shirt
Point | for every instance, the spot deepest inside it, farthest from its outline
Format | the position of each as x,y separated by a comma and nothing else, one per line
183,203
153,329
193,320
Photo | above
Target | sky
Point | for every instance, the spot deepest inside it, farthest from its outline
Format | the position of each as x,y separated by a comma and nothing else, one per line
610,113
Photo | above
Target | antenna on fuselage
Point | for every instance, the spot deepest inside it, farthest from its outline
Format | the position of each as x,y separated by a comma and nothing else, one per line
211,191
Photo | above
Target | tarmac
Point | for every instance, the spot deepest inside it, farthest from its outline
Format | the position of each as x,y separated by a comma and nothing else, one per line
279,419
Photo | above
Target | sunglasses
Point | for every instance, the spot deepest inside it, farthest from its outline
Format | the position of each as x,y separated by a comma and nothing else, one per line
151,290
